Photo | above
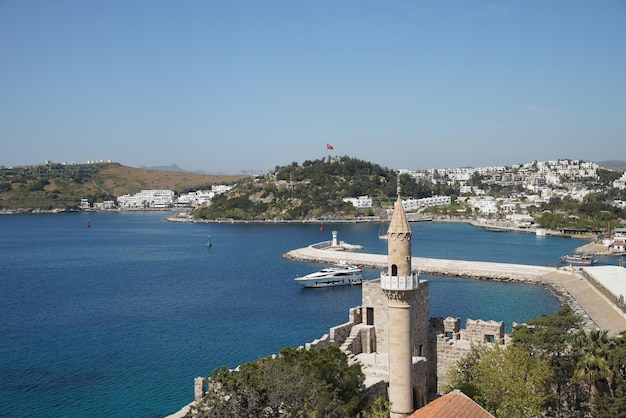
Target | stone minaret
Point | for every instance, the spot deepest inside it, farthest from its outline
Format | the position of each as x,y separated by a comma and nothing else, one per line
399,285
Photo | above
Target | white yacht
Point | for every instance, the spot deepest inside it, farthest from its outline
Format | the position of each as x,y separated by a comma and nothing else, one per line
338,275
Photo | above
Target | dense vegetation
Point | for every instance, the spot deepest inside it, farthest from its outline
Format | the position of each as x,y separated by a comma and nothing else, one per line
594,213
552,365
316,190
297,383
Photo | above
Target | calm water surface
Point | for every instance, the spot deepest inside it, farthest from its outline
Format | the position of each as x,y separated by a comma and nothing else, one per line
116,320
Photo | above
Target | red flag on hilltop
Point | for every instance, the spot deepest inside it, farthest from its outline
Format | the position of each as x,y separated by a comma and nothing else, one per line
328,146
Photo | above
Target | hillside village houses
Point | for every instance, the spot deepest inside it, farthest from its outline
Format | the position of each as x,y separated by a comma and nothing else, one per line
539,180
158,199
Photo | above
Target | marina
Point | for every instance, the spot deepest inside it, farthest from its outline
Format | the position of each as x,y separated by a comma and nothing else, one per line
596,293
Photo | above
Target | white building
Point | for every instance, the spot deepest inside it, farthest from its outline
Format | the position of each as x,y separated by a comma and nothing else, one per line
484,205
196,198
521,221
620,183
427,202
106,205
361,202
159,199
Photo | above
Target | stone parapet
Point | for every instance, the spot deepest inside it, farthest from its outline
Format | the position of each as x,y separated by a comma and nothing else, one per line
480,331
399,283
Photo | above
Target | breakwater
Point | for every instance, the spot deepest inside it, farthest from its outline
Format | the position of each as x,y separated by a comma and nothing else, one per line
325,253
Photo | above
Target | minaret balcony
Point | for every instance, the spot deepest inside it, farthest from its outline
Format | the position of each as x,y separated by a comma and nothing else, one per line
399,283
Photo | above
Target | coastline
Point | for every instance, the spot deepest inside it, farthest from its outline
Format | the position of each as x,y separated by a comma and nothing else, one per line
185,217
567,284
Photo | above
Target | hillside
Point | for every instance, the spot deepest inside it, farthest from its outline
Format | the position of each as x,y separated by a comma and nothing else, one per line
56,186
316,190
119,180
615,165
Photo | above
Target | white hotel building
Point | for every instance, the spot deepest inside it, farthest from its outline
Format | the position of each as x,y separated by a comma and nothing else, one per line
361,202
160,199
427,202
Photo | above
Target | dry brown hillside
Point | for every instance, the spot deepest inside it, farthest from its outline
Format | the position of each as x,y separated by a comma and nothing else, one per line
120,180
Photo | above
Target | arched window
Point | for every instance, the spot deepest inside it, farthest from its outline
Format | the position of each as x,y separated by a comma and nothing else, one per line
394,270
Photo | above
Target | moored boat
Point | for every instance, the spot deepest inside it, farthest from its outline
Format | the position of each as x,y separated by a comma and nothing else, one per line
581,260
382,232
337,275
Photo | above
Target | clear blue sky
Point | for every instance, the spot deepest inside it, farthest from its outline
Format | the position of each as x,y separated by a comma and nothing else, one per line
230,85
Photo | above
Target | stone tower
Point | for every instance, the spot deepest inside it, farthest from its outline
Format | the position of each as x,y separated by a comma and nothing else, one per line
399,285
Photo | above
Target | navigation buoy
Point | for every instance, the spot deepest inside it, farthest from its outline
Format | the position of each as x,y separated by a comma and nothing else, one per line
208,243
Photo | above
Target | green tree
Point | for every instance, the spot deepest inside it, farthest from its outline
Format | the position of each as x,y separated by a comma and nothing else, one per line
550,337
380,408
506,381
297,383
591,349
612,403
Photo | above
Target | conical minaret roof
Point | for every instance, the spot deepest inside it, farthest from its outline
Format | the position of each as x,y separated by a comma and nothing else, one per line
399,223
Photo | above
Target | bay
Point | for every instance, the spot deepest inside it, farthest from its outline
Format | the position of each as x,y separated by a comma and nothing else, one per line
117,319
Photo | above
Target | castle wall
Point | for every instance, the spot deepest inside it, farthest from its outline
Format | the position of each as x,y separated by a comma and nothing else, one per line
450,343
483,331
373,299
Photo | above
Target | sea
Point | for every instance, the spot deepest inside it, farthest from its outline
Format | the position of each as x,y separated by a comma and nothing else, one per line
118,318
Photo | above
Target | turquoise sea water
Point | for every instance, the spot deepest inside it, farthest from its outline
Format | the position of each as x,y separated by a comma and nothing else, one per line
116,320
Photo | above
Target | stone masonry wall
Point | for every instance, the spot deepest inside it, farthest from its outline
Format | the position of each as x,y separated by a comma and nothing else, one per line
374,298
483,331
451,343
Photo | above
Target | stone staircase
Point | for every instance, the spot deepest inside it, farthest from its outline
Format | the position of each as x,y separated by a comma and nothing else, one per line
348,344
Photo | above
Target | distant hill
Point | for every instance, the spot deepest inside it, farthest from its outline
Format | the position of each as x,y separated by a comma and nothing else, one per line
614,165
175,167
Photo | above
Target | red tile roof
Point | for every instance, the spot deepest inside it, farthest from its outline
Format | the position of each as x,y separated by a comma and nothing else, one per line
453,405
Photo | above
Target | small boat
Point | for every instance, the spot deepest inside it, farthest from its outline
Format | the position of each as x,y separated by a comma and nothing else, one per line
337,275
580,260
382,232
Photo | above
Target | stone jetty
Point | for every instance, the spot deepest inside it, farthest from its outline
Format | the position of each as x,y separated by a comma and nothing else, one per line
440,267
